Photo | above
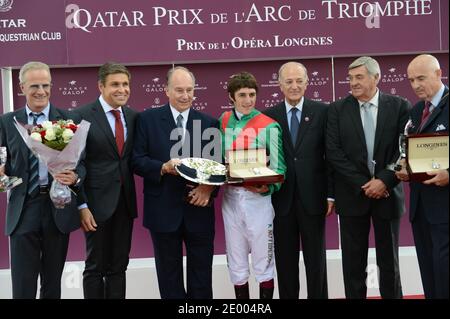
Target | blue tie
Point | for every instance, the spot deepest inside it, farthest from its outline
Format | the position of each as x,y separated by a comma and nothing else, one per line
33,166
295,125
369,134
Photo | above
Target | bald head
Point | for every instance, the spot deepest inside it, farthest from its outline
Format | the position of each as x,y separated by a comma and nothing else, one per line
425,60
424,75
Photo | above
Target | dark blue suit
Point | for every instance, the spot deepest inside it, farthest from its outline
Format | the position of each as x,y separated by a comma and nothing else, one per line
429,213
169,218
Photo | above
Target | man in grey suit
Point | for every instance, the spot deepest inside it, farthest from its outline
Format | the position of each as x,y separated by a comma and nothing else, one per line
39,233
109,190
362,139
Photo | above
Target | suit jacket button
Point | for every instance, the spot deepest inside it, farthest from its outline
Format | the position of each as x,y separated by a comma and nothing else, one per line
295,158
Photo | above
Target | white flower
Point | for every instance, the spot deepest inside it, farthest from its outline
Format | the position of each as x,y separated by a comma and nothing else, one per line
36,136
67,135
47,124
50,134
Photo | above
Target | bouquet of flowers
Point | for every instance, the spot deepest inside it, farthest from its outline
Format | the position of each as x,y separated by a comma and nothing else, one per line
59,145
54,134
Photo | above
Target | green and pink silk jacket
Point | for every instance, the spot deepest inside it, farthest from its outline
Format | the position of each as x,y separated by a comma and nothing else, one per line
253,131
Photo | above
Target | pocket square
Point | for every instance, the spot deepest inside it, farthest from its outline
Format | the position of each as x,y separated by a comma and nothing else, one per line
440,127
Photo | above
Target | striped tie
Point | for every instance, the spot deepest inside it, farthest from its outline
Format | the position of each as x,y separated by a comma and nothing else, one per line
33,166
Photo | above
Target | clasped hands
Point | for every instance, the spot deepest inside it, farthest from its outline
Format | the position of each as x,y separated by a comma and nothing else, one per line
200,195
375,188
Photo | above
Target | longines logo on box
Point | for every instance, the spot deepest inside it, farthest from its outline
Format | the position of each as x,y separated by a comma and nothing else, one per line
6,5
154,87
72,89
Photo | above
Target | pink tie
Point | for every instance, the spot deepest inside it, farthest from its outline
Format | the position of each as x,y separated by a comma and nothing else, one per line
120,140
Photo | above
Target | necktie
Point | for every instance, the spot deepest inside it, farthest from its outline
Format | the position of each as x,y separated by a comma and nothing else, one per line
369,134
425,114
180,126
33,165
295,125
120,138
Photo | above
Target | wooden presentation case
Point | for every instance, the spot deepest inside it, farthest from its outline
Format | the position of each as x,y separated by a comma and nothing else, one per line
249,168
425,153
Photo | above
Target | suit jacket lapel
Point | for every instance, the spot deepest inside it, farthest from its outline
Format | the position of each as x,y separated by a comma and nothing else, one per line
130,128
355,115
102,122
53,114
168,122
436,110
281,118
305,121
22,117
382,117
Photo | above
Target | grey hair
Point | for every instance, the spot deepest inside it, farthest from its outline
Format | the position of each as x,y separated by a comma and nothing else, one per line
172,71
33,65
372,66
295,63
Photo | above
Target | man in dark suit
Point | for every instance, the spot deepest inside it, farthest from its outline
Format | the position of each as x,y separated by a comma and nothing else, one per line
39,233
362,139
171,218
109,188
429,199
301,204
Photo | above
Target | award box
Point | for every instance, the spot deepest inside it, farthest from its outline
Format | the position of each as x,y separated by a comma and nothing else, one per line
249,168
425,153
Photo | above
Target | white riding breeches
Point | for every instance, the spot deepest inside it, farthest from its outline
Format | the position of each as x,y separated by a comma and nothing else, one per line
248,221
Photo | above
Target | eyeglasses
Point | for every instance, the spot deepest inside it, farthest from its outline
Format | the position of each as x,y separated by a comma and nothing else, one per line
36,87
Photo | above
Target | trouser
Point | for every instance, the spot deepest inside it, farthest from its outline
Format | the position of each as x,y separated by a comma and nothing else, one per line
311,229
432,254
38,248
355,245
107,251
248,222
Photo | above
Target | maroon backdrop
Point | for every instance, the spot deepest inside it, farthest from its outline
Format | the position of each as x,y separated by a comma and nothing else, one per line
74,87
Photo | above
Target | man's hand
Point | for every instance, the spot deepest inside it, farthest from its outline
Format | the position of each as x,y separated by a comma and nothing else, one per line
169,167
87,220
440,178
375,188
2,170
66,177
403,173
200,195
258,188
